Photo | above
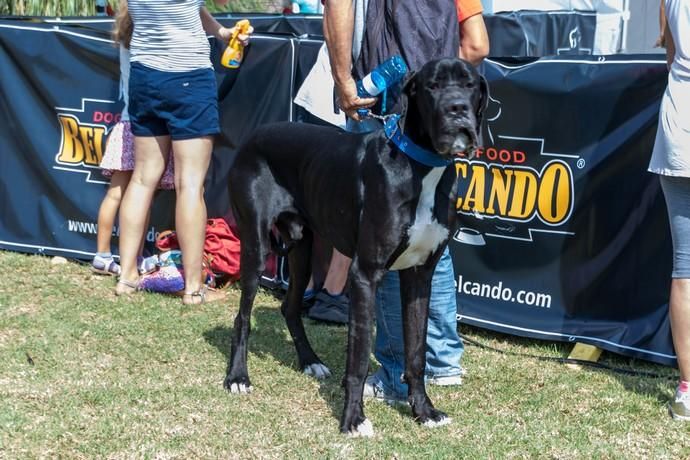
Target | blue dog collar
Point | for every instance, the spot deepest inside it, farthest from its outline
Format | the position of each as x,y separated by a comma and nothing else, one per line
409,148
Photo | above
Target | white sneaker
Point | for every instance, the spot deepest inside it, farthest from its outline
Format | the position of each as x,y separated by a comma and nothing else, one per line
446,381
680,406
373,390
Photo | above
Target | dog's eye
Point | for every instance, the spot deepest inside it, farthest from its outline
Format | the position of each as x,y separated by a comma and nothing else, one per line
469,84
433,86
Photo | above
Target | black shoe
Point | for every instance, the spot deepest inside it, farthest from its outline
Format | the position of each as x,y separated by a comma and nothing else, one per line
330,308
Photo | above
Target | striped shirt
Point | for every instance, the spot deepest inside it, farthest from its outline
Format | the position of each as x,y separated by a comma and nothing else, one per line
168,35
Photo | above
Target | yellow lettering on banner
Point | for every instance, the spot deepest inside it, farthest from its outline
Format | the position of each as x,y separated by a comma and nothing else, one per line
516,193
554,193
98,134
460,172
500,191
92,140
71,150
474,199
524,194
81,144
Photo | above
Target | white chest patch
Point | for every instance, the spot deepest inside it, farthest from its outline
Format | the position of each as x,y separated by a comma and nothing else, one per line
425,234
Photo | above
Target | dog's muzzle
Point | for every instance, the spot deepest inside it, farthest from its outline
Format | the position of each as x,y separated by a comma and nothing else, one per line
457,127
465,143
458,141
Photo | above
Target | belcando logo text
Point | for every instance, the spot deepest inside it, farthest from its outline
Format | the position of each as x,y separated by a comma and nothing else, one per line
515,193
516,187
82,143
83,134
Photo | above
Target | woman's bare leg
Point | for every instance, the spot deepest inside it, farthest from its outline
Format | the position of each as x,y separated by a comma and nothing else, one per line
192,157
150,155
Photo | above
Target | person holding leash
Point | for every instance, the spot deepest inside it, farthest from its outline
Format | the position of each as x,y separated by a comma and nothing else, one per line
173,102
361,39
671,160
118,163
329,303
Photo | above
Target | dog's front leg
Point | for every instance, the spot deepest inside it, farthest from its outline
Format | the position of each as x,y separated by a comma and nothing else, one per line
415,291
363,284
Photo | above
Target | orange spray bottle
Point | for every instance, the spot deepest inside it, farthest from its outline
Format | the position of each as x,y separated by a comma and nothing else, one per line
233,54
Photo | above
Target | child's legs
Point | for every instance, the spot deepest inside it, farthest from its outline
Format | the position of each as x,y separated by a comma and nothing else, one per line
108,210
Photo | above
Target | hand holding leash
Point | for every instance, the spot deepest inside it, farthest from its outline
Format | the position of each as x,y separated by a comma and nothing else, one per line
348,100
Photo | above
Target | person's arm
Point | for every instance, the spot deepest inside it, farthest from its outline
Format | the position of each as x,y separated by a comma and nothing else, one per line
661,41
338,30
213,27
670,45
474,39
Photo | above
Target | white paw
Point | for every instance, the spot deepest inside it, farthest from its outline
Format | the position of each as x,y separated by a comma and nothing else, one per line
318,371
240,388
434,423
364,430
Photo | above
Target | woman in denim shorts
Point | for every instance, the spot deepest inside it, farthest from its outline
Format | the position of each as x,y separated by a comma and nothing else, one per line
172,103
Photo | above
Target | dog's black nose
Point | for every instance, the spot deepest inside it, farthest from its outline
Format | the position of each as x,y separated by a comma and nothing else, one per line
456,106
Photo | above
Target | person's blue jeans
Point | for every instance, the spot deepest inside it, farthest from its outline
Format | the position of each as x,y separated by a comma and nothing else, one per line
444,347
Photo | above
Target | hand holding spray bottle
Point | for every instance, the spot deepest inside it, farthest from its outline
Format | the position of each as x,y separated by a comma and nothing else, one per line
234,53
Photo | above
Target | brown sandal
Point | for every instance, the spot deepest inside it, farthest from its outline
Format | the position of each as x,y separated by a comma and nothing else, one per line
202,296
132,287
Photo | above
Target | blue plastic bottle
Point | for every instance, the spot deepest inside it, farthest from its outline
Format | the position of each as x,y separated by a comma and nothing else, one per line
380,79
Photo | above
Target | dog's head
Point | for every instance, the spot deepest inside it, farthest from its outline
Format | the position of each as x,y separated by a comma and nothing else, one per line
445,102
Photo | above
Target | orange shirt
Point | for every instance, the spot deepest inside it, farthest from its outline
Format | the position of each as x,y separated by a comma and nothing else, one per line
468,8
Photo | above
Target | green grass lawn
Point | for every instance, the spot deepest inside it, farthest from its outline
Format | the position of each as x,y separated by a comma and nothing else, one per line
84,374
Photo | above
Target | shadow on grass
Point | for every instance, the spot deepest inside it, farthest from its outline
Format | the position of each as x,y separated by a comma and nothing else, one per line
636,375
269,338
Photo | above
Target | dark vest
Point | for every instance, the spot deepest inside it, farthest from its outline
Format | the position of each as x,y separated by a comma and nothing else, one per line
418,30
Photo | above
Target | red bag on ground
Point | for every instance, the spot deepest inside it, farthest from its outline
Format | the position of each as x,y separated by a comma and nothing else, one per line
222,248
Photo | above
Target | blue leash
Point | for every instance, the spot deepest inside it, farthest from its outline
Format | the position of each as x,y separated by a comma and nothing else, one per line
409,148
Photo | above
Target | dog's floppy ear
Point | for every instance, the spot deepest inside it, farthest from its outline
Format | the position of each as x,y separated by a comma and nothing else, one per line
408,91
482,104
409,85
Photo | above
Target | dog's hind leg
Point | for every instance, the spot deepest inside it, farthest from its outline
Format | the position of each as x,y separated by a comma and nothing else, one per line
255,248
363,283
299,259
415,290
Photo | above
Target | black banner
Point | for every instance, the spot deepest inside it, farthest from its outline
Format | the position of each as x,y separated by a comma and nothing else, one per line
540,33
58,101
564,235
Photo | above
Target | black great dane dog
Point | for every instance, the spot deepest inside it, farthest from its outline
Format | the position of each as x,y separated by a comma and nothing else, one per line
375,204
